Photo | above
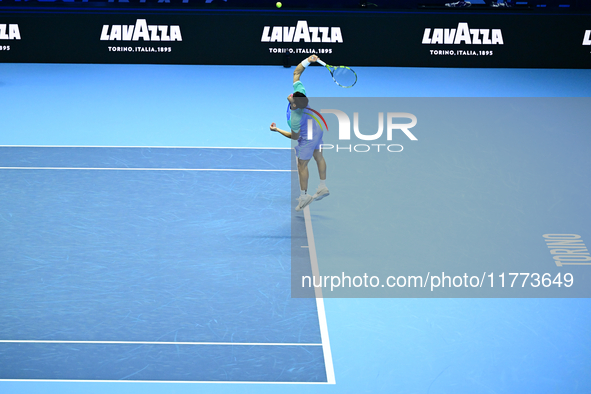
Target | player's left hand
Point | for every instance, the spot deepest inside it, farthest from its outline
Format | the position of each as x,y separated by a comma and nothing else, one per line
313,58
273,127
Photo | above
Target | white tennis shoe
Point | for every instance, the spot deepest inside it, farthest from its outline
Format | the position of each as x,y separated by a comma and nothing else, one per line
321,193
303,201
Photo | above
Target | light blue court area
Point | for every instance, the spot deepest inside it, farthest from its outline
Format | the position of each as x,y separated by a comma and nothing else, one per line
177,216
159,105
151,265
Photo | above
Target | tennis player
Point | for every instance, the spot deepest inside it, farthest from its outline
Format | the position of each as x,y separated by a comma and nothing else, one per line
297,118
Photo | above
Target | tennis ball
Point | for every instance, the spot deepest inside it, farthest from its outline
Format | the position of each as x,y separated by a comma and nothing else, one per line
278,4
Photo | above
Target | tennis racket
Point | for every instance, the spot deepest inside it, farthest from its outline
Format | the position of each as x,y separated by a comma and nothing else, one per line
342,75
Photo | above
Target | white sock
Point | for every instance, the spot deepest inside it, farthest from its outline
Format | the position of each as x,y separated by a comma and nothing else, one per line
322,183
302,192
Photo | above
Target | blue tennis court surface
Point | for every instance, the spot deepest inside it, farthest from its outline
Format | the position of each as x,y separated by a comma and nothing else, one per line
143,205
150,264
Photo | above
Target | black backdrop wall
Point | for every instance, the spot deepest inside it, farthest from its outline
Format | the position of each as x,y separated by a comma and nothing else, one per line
262,37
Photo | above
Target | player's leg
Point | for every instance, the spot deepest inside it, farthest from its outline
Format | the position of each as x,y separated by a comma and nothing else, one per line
304,199
321,163
304,174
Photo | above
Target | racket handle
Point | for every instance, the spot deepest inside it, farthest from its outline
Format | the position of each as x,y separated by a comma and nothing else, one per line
321,62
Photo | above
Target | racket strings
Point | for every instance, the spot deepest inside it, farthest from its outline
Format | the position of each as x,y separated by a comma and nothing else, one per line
344,76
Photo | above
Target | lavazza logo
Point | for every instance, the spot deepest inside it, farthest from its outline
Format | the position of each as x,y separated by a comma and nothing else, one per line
587,38
9,32
391,127
302,32
141,30
463,34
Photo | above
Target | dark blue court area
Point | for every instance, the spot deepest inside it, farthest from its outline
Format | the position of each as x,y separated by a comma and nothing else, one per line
151,264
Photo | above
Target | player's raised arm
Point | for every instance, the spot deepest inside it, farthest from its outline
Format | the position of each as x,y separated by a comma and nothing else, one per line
302,67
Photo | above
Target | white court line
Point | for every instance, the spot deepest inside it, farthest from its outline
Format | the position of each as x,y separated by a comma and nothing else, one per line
330,375
136,147
156,381
159,343
141,169
149,147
